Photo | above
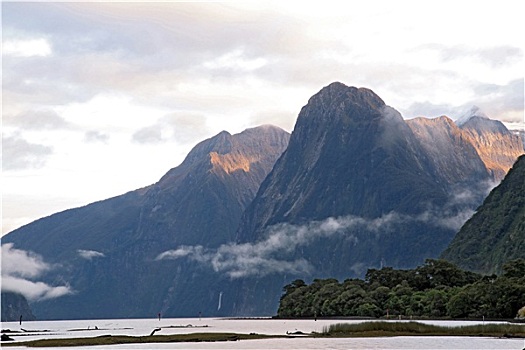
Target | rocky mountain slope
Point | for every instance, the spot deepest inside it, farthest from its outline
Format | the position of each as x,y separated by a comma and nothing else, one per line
496,232
359,187
106,251
496,145
15,308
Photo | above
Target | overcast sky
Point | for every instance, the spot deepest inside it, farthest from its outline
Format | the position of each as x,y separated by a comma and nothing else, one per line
102,98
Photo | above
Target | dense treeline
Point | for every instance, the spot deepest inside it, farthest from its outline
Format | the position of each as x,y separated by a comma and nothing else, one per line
437,289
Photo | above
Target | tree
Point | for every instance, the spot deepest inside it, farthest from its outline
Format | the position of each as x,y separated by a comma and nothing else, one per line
514,268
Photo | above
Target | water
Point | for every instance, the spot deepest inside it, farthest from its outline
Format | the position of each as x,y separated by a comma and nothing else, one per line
142,327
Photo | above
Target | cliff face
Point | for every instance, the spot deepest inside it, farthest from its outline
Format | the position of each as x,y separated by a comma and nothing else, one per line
15,308
452,154
497,147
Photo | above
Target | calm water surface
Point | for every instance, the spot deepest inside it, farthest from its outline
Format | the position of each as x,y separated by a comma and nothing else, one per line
141,327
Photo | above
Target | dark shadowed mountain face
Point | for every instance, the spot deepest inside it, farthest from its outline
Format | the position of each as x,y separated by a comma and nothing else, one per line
15,308
496,232
358,187
199,202
349,154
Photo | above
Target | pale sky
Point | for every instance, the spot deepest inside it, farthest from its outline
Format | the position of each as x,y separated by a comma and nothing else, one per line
100,98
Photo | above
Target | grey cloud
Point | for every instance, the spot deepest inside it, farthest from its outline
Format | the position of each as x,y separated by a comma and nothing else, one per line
284,119
185,127
89,254
493,56
37,120
150,134
429,109
148,51
20,267
181,127
96,136
18,153
502,100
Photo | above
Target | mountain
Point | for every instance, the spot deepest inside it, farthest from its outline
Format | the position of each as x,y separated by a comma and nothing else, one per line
354,187
358,187
495,144
107,251
496,232
15,308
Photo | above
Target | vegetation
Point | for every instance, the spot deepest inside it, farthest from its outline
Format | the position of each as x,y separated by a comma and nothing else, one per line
437,289
384,328
496,232
124,339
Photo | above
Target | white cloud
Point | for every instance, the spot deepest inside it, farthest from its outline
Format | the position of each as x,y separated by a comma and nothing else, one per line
236,60
271,255
89,254
26,48
20,267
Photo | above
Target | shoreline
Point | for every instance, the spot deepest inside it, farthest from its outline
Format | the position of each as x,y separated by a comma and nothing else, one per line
372,329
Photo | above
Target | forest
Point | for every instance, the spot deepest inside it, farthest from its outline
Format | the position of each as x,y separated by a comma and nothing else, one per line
436,289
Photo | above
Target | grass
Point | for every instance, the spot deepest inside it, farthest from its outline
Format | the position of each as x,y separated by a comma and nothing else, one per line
122,339
385,329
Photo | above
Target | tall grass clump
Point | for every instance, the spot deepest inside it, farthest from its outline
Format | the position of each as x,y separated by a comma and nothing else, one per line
385,328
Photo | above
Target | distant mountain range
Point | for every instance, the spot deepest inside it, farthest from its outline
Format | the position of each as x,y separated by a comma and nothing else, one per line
354,187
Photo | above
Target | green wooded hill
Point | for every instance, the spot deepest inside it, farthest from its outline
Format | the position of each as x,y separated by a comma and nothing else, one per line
436,289
496,232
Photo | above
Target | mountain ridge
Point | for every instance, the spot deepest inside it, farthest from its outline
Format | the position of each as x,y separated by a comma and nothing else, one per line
192,204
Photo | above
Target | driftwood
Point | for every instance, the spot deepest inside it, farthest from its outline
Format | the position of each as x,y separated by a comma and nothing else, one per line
155,330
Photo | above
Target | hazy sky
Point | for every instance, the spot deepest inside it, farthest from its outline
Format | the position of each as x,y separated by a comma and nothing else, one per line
102,98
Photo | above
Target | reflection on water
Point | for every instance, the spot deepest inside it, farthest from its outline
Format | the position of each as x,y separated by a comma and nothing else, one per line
141,327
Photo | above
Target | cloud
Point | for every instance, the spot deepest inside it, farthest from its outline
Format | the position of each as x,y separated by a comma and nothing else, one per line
182,127
26,48
19,267
18,153
89,254
43,119
270,255
502,100
96,136
150,134
495,56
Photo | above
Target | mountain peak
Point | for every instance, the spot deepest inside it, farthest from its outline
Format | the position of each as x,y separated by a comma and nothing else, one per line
336,92
475,119
473,112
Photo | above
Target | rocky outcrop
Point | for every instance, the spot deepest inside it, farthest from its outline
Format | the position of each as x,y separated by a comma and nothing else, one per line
497,147
15,308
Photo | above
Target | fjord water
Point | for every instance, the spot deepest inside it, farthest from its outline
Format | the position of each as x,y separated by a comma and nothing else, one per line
142,327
